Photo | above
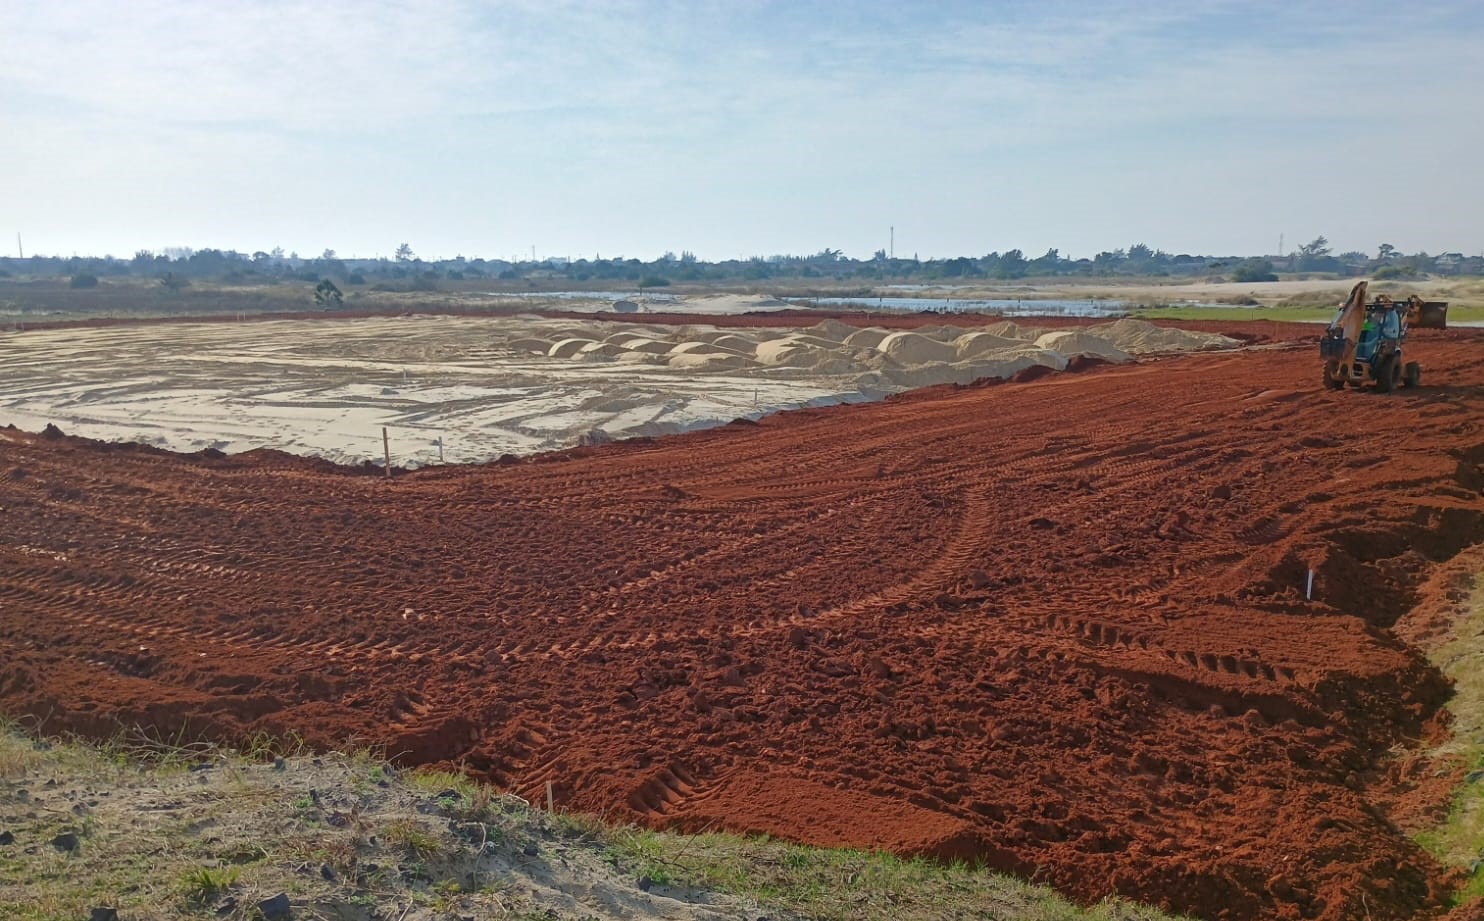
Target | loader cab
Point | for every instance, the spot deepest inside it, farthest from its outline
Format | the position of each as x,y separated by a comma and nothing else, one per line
1381,331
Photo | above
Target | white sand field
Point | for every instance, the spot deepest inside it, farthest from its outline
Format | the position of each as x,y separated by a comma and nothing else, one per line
490,386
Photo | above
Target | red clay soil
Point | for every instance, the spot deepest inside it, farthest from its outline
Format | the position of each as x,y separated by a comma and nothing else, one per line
1058,626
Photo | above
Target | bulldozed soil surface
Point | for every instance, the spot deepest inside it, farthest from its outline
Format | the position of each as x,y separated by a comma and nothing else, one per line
1059,626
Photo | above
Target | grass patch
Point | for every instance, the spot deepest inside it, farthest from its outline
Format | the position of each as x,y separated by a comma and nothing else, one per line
831,883
1459,841
206,884
185,829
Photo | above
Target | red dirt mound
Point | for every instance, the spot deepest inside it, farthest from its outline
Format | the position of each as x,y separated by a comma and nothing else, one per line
1060,627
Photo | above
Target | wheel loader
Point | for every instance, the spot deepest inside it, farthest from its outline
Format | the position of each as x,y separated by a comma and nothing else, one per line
1364,341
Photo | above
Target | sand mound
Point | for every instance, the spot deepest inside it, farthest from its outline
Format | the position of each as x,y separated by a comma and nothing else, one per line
569,347
699,348
973,344
1009,329
1071,342
833,330
785,353
649,346
624,337
733,343
867,338
639,358
708,362
914,349
601,351
1140,337
530,344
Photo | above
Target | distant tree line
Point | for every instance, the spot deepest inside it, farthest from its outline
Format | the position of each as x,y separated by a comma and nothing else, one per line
177,269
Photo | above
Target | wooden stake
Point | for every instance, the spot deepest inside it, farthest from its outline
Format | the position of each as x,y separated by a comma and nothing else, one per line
550,805
386,446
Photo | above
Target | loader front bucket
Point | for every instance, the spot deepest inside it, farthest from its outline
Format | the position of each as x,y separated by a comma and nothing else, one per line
1432,315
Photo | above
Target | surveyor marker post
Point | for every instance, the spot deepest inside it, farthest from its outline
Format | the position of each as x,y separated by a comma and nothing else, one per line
386,447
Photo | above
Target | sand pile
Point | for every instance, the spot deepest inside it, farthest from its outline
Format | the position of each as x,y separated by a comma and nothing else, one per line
1140,337
916,349
1071,342
470,389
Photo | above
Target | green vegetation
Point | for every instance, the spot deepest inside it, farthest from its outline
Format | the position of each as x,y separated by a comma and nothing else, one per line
1254,270
327,295
1459,840
842,884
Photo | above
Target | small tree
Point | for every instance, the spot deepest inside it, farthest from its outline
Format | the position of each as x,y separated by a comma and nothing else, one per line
173,282
1252,270
404,253
327,295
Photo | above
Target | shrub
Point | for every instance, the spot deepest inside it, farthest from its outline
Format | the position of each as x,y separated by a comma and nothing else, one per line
1251,270
327,295
654,281
83,281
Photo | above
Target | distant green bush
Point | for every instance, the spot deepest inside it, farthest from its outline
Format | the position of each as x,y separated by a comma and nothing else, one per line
1253,270
654,281
83,281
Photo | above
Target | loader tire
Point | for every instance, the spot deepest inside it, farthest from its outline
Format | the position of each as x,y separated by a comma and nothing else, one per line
1332,378
1412,376
1389,374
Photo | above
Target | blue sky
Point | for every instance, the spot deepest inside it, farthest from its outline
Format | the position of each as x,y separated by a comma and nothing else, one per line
739,128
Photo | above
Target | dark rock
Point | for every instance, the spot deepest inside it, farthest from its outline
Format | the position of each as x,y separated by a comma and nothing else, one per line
531,850
276,908
327,872
66,842
51,431
450,793
7,837
103,914
280,765
645,884
226,906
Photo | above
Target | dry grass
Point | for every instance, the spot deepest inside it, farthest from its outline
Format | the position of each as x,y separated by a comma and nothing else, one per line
174,831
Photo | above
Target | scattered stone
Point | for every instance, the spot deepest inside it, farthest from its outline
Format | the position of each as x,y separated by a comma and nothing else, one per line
103,914
66,842
276,908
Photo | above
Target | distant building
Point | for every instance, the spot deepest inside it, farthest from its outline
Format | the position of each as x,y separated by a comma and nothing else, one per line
1448,263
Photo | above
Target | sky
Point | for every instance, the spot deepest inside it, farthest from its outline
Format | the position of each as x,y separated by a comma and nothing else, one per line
734,129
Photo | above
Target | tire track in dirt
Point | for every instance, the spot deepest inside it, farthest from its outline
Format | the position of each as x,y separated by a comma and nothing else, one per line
1059,626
